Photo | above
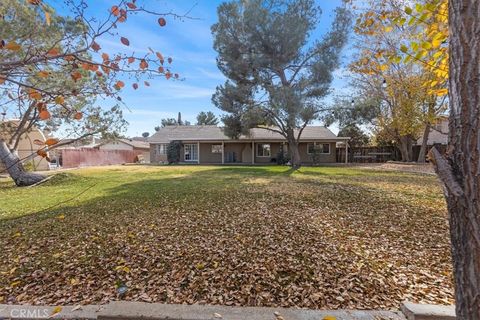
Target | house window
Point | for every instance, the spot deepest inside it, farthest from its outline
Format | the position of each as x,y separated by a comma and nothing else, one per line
263,150
162,148
216,148
318,147
191,152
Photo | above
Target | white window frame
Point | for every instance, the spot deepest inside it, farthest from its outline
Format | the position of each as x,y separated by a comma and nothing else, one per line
269,150
219,150
319,144
162,148
190,152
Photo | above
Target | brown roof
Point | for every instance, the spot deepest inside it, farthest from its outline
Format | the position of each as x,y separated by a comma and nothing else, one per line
130,142
214,133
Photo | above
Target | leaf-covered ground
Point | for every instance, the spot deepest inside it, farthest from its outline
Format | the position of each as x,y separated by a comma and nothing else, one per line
259,236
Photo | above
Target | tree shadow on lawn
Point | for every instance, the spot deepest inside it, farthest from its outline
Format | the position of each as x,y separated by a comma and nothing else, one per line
192,233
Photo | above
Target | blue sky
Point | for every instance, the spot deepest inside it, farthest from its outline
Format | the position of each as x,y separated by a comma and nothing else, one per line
190,44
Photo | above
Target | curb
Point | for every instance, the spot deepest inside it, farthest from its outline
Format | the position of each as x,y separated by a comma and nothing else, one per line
119,310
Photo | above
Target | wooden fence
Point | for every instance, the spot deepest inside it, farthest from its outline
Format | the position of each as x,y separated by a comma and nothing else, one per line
73,158
369,154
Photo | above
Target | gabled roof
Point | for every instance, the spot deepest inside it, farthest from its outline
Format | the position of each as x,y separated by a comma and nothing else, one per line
214,133
130,142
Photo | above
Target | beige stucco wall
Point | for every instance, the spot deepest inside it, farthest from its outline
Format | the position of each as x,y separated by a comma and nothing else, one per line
274,149
155,157
324,158
243,153
206,155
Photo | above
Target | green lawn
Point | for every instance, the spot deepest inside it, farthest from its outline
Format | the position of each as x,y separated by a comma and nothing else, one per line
260,236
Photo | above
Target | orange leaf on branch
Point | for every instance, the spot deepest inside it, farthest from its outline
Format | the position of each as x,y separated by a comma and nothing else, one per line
44,115
34,94
131,60
38,142
162,22
53,52
125,41
160,57
43,74
42,153
76,76
115,11
161,69
131,5
143,64
78,116
59,100
12,46
95,46
34,2
105,57
51,141
168,75
123,15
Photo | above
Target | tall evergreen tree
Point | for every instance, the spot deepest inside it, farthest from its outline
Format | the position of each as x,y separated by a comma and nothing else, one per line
276,73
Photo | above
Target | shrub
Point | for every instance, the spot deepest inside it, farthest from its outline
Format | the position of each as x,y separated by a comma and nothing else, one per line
283,157
173,152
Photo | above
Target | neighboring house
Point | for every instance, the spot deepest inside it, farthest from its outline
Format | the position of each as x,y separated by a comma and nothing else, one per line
210,145
438,133
141,147
27,149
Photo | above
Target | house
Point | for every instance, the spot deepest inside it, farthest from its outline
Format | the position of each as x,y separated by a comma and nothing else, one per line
27,149
210,145
438,133
142,148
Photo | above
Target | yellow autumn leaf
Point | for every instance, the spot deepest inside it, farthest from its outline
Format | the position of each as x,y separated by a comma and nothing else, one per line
48,18
59,100
329,318
13,46
43,74
74,281
56,310
441,92
15,283
61,217
18,234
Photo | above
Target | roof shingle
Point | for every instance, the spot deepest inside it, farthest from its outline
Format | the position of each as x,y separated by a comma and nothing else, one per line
214,133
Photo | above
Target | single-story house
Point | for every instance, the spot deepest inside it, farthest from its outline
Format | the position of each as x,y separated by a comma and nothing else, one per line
141,147
210,145
438,133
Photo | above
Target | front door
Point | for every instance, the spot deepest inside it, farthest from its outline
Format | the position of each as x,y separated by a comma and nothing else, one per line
191,152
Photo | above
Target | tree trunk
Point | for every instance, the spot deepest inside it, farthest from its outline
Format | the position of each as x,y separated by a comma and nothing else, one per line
295,155
423,148
405,146
460,169
15,168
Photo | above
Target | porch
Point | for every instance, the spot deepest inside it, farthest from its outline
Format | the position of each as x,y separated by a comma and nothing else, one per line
245,152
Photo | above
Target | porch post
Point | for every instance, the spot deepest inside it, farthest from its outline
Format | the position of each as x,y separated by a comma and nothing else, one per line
198,152
346,151
223,152
253,152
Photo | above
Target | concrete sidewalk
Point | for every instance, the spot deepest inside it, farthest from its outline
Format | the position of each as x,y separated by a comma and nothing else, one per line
156,311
